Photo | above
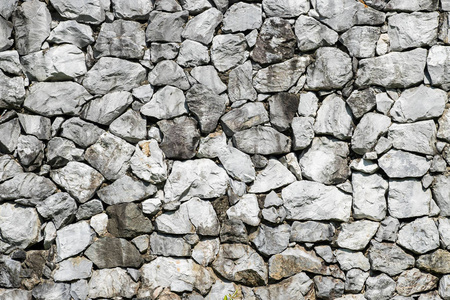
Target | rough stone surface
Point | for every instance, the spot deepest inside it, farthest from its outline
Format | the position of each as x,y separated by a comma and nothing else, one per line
180,137
110,252
369,196
334,118
262,140
389,258
419,236
401,164
312,34
419,137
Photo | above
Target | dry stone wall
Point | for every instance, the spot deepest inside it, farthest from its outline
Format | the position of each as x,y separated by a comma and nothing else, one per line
188,149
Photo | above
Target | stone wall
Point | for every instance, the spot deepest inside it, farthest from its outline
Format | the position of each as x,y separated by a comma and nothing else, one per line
188,149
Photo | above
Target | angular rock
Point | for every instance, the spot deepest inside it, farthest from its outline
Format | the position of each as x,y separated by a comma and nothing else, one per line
169,245
393,70
72,269
180,137
111,252
285,8
59,207
441,194
246,210
6,29
389,258
242,17
78,179
60,151
328,287
112,283
262,140
444,126
331,70
8,168
311,34
436,262
362,101
283,107
414,281
228,51
443,287
11,132
244,117
148,163
417,29
237,164
166,27
369,200
203,217
124,190
240,86
240,263
325,161
10,273
26,185
126,220
56,98
195,6
419,236
369,129
306,200
31,26
398,5
130,126
36,125
355,280
272,240
361,41
311,232
85,11
437,63
107,108
274,215
73,33
233,230
274,176
12,89
135,10
123,39
89,209
419,103
417,137
401,164
334,118
177,222
80,132
30,151
166,103
303,132
195,178
192,54
163,51
208,76
380,287
350,260
168,72
51,291
444,226
282,76
407,198
275,42
201,27
73,239
291,288
356,235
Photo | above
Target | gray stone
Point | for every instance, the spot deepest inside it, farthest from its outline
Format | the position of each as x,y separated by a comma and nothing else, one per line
369,200
168,72
177,222
110,155
441,194
126,220
89,209
282,76
303,132
163,51
389,258
401,164
20,226
10,273
151,206
166,103
180,137
414,281
393,70
207,75
334,118
135,10
124,190
56,98
361,41
419,103
12,89
5,34
124,39
169,245
80,132
388,230
294,287
444,287
444,226
72,269
369,129
312,34
273,176
111,283
78,179
213,145
407,198
328,287
349,260
356,235
437,64
325,161
143,93
331,70
73,239
355,280
283,107
8,167
203,217
176,272
59,207
85,11
195,6
275,42
419,236
60,151
274,215
26,185
130,126
426,5
308,104
361,101
240,86
166,27
240,263
306,200
417,29
36,125
109,252
272,240
311,232
436,262
244,117
417,137
72,32
228,51
7,8
285,8
192,54
237,164
111,74
201,28
148,163
51,291
107,108
262,140
444,126
233,230
246,210
434,295
11,132
167,5
30,151
242,17
380,287
31,26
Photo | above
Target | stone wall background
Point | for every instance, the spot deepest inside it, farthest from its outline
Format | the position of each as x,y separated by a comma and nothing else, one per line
286,149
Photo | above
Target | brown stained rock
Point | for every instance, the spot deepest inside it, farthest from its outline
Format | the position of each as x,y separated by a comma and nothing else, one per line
414,281
436,262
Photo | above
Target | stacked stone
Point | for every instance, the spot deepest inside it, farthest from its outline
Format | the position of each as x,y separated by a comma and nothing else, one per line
188,149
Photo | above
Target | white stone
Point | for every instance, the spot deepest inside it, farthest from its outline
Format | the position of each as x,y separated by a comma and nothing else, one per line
369,200
73,239
437,64
274,176
99,223
368,131
419,236
203,217
401,164
205,251
408,199
246,210
417,137
166,103
207,75
112,283
148,162
356,235
241,17
237,164
312,34
334,118
73,268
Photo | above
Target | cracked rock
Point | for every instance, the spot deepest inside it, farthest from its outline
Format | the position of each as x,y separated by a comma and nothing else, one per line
72,32
80,132
362,101
59,207
91,12
361,41
125,189
30,151
168,72
201,27
138,10
401,164
369,129
356,235
148,163
380,287
334,118
328,287
273,176
12,90
38,126
26,185
166,103
389,258
245,210
73,239
60,151
240,86
244,117
414,281
419,236
237,164
228,51
109,252
111,283
283,107
242,17
107,108
272,240
165,26
166,245
180,137
417,137
130,126
311,232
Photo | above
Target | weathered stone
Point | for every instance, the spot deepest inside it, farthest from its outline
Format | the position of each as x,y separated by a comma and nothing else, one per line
60,151
73,239
237,164
180,137
240,263
36,125
203,217
242,17
334,117
262,140
72,32
8,168
306,200
168,72
393,70
283,107
51,291
85,11
443,287
244,117
325,161
107,108
303,132
407,198
272,240
208,76
201,27
349,260
233,230
294,287
362,101
169,245
7,8
10,132
111,283
10,273
380,287
285,8
246,210
130,126
125,189
282,76
240,86
444,126
417,29
368,131
12,90
72,269
192,54
414,281
60,208
369,199
30,151
111,74
148,162
389,258
356,235
401,164
312,34
166,27
111,252
78,179
176,272
398,5
419,236
311,232
417,137
274,176
228,51
138,10
361,41
56,98
177,222
80,132
126,220
213,145
124,39
355,280
195,6
26,185
166,103
274,215
31,26
437,63
89,209
441,192
163,51
328,287
436,262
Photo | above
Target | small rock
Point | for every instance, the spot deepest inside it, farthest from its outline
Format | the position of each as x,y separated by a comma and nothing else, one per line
111,283
72,32
51,291
417,137
291,288
59,207
237,164
26,185
356,235
207,75
274,176
169,245
8,168
380,287
370,128
166,103
384,103
233,230
203,217
80,132
311,34
274,215
30,151
244,117
362,101
401,164
130,126
192,54
419,236
72,269
262,140
349,260
181,137
436,65
272,240
92,12
60,151
369,200
285,8
228,51
11,131
36,125
242,17
73,239
334,118
107,108
201,28
355,280
436,262
361,41
168,72
126,220
138,10
175,223
388,230
89,209
240,86
328,287
389,258
205,251
283,107
311,232
124,190
12,89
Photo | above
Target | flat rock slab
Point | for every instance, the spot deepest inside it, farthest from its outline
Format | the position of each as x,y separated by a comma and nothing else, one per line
262,140
401,164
